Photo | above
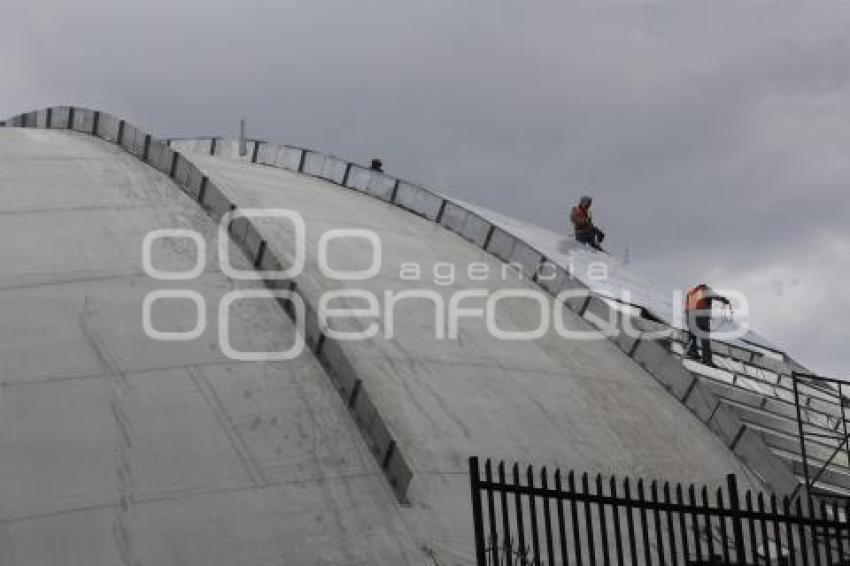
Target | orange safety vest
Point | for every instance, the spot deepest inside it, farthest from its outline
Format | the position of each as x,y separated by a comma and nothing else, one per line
581,218
698,299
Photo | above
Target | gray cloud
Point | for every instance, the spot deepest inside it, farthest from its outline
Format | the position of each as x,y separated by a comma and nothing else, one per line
713,134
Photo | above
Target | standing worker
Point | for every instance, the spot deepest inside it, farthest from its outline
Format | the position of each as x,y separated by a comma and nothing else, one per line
377,165
698,318
582,220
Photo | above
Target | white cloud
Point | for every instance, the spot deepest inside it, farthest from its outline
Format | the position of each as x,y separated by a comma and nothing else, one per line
799,297
713,134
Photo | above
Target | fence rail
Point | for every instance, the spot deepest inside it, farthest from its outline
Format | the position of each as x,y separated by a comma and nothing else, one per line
523,518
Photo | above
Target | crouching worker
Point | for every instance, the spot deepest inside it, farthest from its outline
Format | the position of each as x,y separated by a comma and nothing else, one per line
698,318
582,220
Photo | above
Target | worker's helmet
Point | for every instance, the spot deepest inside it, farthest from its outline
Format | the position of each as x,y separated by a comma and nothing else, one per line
585,201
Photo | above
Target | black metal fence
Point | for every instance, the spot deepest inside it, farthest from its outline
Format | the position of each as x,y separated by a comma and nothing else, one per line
523,518
821,405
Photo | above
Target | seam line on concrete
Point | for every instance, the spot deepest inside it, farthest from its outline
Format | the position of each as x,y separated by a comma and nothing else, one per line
690,389
737,438
461,363
714,410
633,349
73,281
189,493
129,374
249,462
86,208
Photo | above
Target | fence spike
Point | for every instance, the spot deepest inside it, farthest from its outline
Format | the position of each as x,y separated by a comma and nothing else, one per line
724,538
630,521
574,518
532,514
656,515
709,528
562,522
692,499
588,521
838,529
798,509
748,501
765,540
683,524
520,528
477,512
826,537
491,511
789,528
643,523
503,499
670,527
615,510
547,516
845,525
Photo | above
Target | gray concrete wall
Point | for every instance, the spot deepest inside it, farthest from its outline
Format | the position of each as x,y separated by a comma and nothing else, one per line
392,379
555,402
118,449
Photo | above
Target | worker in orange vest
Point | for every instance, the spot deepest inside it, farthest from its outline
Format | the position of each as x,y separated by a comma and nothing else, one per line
698,317
585,231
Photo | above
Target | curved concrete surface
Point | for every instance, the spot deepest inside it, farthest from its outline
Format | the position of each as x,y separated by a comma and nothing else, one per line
535,252
582,405
430,402
118,449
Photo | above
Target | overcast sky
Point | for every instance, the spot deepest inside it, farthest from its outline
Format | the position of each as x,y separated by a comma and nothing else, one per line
713,135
